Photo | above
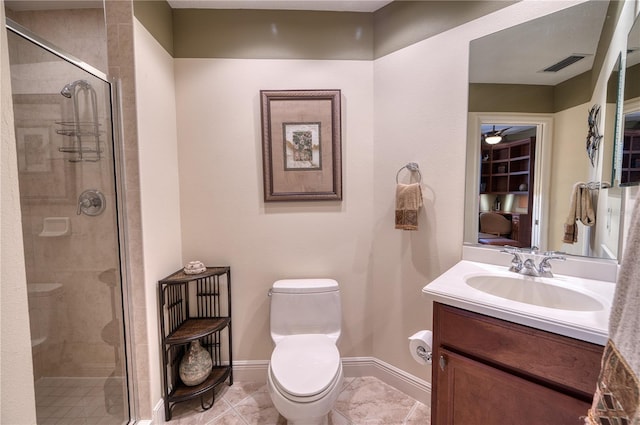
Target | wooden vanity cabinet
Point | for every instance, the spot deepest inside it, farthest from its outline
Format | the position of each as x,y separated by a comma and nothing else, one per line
490,371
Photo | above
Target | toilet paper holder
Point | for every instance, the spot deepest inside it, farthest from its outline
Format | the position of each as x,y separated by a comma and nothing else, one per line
420,345
424,354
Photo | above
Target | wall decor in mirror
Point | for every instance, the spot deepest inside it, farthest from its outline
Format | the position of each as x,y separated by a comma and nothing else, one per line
541,78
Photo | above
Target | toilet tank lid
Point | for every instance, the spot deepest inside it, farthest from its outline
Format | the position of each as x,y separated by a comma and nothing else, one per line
302,286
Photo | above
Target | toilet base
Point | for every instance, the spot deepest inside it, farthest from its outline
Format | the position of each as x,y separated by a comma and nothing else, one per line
321,407
324,420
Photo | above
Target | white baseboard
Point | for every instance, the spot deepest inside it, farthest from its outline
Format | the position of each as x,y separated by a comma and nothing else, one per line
411,385
354,367
250,370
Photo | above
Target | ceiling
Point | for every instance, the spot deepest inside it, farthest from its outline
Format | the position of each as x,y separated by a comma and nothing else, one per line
517,55
326,5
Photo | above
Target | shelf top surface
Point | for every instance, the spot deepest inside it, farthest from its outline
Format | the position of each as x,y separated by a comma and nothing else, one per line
180,276
196,328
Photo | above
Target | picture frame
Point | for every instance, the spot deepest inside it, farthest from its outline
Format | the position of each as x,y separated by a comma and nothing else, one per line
44,171
301,145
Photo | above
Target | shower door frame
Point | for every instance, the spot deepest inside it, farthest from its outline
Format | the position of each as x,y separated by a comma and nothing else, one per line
121,216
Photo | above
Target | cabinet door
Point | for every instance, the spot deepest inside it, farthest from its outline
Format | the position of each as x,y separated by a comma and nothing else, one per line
472,393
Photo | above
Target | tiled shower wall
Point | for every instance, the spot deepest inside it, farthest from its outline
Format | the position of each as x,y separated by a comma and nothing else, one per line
103,39
119,18
50,186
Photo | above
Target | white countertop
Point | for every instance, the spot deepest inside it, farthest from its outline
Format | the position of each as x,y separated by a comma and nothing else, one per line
450,288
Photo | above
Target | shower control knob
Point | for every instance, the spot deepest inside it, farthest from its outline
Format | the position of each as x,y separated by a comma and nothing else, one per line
91,202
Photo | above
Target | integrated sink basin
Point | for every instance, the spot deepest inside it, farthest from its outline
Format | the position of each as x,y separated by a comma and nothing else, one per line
572,306
535,291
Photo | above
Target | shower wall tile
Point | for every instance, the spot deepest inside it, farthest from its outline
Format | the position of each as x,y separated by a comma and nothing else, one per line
120,51
113,52
143,392
79,32
140,328
119,12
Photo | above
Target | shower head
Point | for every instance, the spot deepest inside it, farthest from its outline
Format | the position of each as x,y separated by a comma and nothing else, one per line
69,89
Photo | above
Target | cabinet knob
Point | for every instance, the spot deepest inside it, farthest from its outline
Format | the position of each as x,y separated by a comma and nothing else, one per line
442,362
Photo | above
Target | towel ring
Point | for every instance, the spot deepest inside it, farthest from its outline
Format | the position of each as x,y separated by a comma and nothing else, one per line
411,166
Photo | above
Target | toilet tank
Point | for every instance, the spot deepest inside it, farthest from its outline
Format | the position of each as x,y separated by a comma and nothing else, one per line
305,306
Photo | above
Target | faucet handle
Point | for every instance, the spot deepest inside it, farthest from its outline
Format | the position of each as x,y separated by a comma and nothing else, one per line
516,261
545,268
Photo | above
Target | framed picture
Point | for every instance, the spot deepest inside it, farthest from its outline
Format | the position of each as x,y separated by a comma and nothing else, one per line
45,174
33,149
301,145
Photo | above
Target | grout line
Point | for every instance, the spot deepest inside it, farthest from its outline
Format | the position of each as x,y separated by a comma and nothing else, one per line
242,418
411,411
227,410
343,416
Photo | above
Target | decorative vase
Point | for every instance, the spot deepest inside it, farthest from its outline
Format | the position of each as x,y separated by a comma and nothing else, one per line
195,365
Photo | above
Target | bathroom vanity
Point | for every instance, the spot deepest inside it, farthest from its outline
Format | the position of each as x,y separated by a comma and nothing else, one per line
490,371
510,349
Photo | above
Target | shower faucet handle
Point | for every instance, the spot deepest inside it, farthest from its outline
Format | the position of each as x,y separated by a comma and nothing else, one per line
91,202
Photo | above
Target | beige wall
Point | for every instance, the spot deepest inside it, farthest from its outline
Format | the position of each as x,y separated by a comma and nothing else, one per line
17,397
407,106
160,202
395,110
569,164
224,218
420,115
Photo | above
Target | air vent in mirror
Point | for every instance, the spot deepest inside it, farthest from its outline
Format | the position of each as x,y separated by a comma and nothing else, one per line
564,63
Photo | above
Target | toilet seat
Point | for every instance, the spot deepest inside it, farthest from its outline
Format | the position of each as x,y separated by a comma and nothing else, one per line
304,368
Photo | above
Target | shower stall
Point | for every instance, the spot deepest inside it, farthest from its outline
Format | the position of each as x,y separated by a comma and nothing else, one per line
64,126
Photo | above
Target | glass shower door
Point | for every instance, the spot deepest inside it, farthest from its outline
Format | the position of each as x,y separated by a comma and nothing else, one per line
67,182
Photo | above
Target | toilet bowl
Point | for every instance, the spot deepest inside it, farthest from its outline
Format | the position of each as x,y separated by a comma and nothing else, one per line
305,371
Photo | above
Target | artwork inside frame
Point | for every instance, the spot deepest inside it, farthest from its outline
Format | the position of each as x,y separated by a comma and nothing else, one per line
301,145
44,174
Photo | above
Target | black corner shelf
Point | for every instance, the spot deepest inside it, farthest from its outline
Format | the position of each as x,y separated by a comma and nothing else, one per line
195,307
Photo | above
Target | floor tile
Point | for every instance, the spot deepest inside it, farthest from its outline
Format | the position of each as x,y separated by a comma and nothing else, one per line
420,415
362,401
369,401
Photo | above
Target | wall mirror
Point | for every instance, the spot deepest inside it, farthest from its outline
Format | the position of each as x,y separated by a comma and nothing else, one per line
629,144
535,81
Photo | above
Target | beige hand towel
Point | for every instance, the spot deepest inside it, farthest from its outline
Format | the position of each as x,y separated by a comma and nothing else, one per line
580,208
617,397
408,203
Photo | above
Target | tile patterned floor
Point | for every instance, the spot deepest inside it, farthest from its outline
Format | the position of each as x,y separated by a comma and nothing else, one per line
79,401
363,401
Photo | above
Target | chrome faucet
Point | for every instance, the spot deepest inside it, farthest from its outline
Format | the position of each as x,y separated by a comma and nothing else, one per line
527,266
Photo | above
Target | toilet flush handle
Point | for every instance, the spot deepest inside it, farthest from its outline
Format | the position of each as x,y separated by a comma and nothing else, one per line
269,293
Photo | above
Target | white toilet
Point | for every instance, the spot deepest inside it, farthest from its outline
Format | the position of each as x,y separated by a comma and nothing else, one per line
305,372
